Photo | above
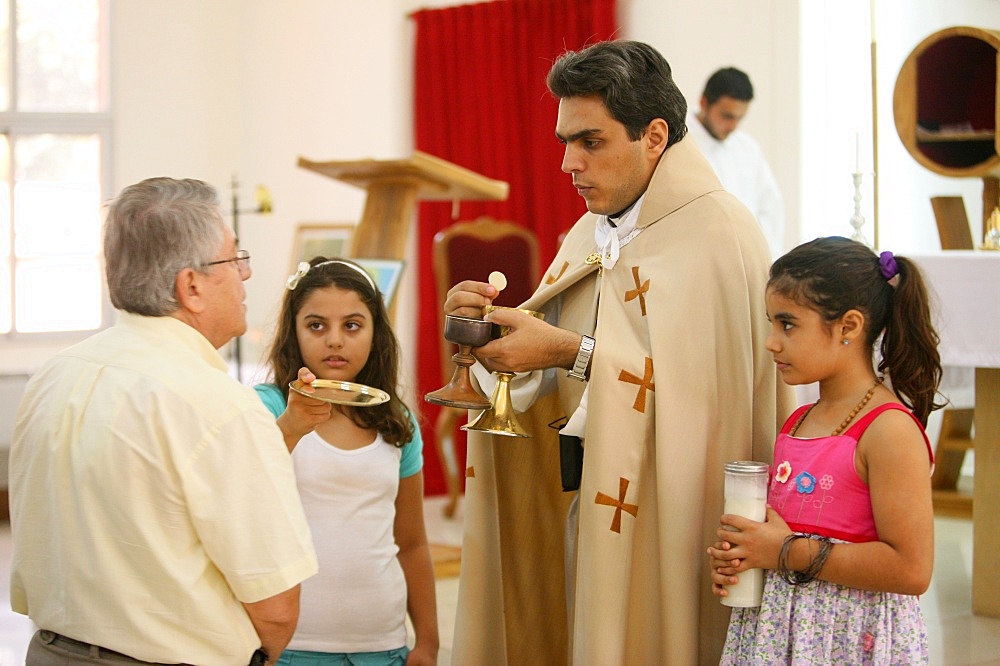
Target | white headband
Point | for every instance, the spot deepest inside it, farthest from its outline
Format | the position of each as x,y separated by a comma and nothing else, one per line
303,268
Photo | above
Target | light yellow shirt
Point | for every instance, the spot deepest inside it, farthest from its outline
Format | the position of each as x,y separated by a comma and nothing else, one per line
151,494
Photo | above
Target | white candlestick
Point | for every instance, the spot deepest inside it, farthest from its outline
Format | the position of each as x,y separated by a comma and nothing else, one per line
858,220
857,152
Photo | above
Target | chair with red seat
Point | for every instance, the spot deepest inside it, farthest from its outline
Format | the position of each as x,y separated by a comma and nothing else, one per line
471,251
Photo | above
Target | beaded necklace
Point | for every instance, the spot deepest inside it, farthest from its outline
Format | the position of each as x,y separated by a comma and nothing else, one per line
850,417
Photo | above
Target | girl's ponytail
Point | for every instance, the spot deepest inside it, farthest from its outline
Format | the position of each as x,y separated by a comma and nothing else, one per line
910,344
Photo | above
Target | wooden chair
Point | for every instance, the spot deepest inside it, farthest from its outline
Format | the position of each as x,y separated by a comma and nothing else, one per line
956,422
471,251
952,223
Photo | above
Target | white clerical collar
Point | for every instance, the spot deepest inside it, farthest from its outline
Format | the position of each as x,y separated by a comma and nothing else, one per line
611,238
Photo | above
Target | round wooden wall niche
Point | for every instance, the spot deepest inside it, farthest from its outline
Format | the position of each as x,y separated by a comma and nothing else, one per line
945,102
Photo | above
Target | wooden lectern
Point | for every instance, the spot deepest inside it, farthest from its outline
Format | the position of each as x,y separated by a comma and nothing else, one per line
394,187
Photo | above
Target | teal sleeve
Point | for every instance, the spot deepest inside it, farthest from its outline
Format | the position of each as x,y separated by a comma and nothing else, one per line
412,460
272,397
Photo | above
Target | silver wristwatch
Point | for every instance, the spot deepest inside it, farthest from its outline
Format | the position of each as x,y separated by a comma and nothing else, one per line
582,362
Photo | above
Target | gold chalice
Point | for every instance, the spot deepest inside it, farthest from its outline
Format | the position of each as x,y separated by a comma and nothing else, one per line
499,418
460,392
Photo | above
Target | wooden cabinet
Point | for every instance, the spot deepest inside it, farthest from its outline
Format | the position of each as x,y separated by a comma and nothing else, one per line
946,106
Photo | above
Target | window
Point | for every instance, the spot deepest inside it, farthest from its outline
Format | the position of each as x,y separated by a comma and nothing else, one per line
54,148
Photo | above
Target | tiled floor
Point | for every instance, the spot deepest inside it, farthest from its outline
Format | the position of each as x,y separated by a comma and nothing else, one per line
957,638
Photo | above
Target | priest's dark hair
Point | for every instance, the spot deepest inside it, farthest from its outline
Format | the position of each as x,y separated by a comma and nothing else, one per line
632,79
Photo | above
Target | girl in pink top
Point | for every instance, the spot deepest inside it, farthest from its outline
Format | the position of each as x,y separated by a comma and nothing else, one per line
848,542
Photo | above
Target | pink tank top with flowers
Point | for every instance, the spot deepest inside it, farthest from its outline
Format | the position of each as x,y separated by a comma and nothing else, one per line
814,485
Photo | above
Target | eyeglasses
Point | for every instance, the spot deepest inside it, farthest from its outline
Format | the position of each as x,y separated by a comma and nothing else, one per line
242,261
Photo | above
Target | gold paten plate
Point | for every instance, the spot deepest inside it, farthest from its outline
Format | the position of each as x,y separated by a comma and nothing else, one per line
342,393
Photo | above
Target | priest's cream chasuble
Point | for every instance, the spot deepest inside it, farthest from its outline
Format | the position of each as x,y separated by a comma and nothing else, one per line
680,383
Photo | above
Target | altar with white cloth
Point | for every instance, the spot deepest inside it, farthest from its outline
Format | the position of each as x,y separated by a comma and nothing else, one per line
965,294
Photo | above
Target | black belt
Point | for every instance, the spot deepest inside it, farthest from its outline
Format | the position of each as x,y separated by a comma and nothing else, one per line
88,649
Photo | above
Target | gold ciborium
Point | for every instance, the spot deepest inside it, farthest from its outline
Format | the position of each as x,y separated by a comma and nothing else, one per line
467,333
499,418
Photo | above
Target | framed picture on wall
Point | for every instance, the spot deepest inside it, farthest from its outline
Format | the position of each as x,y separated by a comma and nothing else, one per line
386,273
328,239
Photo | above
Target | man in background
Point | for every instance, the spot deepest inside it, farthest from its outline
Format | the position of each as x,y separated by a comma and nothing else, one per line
154,512
735,155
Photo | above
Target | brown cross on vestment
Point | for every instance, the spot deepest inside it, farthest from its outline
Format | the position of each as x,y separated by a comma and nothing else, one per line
470,472
619,504
551,279
639,291
645,383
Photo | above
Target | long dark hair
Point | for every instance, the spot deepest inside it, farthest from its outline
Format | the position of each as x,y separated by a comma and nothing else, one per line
391,419
834,275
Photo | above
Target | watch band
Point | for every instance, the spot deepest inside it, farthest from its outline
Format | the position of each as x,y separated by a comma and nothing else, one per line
582,362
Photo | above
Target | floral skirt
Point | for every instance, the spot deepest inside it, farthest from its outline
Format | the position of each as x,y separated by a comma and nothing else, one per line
825,623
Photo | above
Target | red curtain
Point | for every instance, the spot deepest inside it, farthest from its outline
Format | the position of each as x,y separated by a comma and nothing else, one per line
481,102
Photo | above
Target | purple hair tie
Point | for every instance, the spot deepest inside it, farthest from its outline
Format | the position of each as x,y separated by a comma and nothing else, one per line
890,271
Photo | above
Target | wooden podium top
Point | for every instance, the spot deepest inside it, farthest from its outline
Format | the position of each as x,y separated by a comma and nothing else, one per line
436,179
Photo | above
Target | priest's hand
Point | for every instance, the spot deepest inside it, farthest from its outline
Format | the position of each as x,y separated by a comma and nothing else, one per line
529,344
466,299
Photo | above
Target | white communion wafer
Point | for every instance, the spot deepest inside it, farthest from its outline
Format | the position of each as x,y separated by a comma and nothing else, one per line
498,280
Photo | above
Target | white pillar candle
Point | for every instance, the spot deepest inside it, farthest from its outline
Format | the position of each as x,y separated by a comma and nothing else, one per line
746,495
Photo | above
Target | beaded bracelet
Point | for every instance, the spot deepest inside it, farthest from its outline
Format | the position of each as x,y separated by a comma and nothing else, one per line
810,573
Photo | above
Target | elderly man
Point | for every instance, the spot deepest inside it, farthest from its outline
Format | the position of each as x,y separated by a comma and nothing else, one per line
153,504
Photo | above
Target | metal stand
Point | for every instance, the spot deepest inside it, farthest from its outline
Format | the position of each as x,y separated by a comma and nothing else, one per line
263,208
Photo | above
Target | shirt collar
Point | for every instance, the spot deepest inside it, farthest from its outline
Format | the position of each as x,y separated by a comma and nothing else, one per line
611,238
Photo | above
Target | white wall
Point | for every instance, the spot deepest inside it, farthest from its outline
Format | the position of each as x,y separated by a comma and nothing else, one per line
811,68
246,87
836,44
326,81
